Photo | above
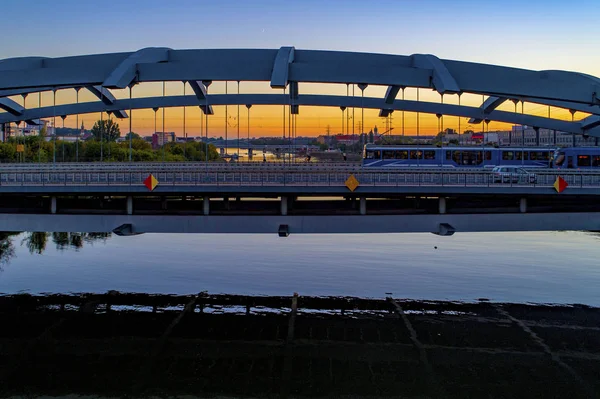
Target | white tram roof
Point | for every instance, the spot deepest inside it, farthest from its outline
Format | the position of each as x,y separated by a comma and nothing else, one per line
460,148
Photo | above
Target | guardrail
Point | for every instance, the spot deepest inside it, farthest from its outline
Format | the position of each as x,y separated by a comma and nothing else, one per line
288,178
349,167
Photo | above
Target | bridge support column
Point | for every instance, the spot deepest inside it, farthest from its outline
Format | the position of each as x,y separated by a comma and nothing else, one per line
523,205
363,206
130,205
206,205
53,205
284,206
442,205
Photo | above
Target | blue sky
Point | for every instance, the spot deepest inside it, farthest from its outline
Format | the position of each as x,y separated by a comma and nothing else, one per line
532,34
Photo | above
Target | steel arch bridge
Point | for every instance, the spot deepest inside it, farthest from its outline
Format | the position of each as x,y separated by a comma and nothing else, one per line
286,67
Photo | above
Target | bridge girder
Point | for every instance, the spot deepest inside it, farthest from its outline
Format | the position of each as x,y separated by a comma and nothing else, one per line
126,72
590,122
11,106
286,65
107,98
442,78
575,127
490,104
281,67
426,71
201,94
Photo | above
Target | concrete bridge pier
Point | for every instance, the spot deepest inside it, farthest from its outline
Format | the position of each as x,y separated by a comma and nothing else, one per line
130,205
523,205
206,206
442,205
363,206
284,206
53,205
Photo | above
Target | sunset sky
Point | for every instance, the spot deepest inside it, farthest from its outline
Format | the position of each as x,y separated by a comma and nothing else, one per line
527,34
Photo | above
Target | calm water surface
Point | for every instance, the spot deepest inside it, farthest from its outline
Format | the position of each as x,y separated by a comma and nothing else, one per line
557,267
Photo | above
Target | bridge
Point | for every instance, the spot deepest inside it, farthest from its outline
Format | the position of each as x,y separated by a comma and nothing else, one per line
273,198
288,68
203,197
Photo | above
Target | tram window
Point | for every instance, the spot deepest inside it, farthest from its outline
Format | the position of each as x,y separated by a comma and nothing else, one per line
560,159
369,154
456,156
522,155
533,156
508,155
543,156
388,154
401,154
416,154
448,155
429,154
488,155
377,154
584,160
596,160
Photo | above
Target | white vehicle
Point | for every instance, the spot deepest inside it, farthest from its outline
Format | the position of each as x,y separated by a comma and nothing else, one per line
512,174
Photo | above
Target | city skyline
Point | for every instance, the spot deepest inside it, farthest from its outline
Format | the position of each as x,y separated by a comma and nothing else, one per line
464,30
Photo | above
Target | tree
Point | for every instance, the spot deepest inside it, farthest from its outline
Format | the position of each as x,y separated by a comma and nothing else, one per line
7,249
43,131
134,136
36,242
106,130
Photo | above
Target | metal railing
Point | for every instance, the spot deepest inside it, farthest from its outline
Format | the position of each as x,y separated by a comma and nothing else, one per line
291,178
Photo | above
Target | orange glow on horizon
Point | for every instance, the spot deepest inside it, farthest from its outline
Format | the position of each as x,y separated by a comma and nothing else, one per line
269,120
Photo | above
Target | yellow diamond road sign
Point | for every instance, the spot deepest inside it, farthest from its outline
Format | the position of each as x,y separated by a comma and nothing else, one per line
351,183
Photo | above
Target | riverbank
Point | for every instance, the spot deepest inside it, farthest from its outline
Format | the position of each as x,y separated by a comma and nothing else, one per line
118,344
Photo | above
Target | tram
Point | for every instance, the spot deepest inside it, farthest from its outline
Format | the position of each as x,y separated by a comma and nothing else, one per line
457,157
577,158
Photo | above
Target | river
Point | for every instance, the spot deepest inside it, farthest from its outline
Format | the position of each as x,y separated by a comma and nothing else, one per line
541,267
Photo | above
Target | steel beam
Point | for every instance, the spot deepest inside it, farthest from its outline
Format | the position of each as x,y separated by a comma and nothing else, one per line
118,70
107,98
294,108
201,94
281,67
11,106
490,104
307,100
390,96
126,72
391,93
442,79
590,122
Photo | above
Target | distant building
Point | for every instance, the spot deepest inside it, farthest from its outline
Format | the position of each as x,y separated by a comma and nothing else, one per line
347,139
526,136
161,138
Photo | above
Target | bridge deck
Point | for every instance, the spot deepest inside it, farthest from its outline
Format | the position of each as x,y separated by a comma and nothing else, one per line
119,344
293,179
